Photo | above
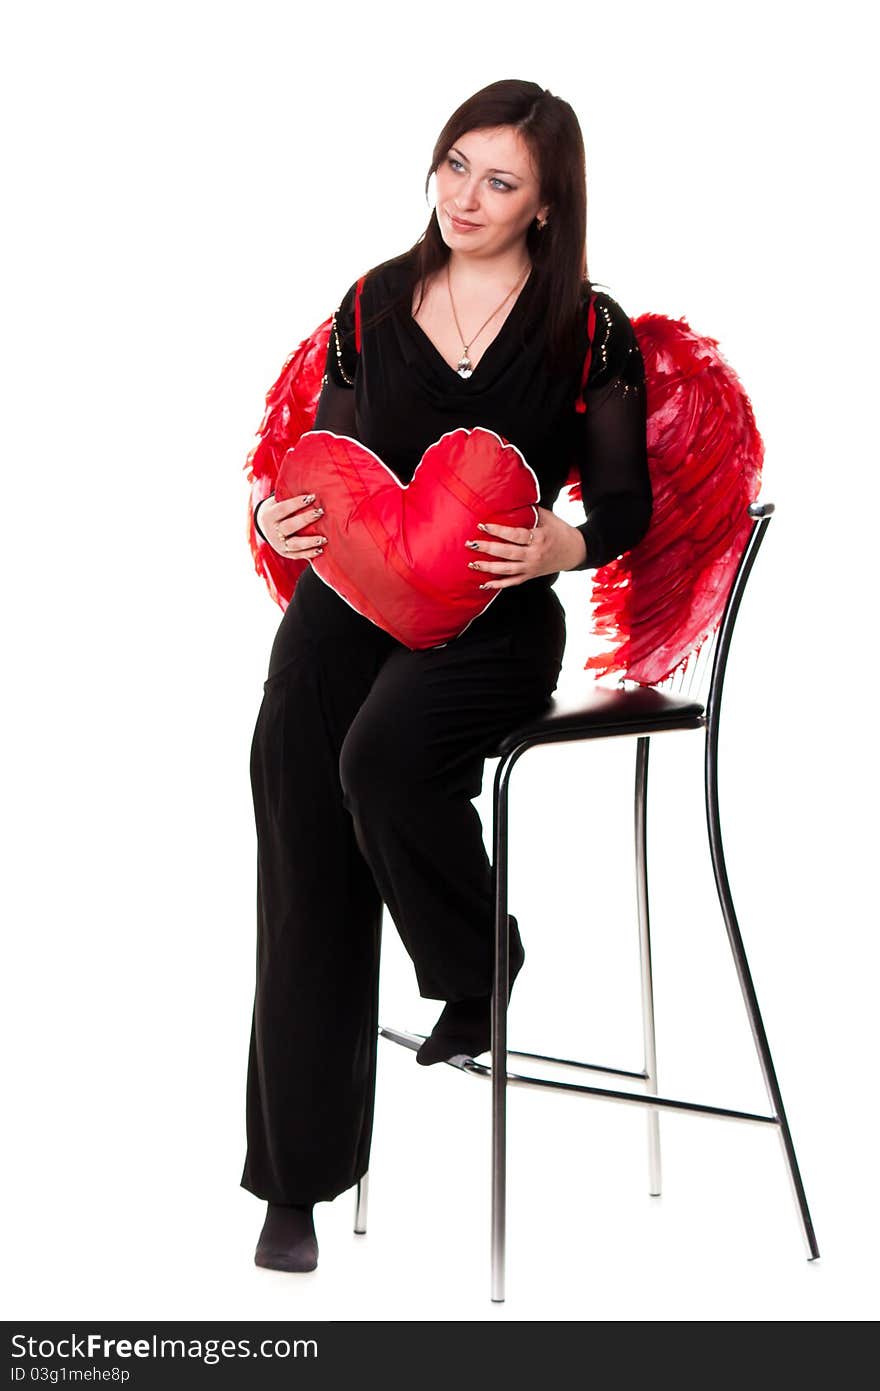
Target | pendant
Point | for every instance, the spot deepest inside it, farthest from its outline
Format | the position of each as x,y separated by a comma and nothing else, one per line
464,368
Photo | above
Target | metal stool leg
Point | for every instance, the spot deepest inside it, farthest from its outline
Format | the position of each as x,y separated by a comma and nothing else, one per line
641,830
360,1209
745,979
499,1030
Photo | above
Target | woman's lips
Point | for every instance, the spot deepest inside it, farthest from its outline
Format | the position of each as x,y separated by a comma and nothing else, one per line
463,226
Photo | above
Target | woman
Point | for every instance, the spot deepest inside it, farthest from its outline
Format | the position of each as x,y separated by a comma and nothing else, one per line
366,754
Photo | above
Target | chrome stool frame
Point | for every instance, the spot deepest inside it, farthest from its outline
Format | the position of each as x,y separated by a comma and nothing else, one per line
638,712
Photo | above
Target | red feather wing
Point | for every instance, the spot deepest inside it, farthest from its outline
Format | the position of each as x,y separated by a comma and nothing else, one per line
660,601
291,407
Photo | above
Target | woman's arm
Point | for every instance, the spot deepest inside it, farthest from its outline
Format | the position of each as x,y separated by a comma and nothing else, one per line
335,409
610,441
336,402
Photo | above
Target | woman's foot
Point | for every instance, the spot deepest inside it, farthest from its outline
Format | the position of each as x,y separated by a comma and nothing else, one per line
287,1241
465,1026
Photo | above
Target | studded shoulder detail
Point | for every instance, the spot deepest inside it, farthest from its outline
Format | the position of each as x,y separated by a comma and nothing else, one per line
342,372
617,360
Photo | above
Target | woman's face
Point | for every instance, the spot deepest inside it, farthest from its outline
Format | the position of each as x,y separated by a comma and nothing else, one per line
487,179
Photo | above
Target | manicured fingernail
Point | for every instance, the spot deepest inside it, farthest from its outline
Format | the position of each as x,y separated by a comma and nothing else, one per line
310,498
480,526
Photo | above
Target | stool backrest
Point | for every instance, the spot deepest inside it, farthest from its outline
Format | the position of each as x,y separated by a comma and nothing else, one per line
702,676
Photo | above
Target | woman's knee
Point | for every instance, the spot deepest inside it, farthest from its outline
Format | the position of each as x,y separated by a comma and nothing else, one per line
378,764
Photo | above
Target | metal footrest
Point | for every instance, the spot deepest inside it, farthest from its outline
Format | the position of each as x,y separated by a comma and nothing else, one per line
517,1079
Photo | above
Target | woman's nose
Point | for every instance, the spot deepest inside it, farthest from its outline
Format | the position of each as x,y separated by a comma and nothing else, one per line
467,198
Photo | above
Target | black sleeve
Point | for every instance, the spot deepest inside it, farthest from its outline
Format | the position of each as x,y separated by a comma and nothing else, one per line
257,513
610,441
336,403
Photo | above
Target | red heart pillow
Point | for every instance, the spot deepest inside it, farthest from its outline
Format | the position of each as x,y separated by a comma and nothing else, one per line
396,551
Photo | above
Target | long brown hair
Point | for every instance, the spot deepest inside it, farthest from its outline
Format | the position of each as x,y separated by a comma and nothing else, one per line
552,132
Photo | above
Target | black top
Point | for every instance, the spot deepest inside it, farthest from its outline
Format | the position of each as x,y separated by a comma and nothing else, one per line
399,395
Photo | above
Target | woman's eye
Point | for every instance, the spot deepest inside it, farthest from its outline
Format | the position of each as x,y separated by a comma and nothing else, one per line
453,161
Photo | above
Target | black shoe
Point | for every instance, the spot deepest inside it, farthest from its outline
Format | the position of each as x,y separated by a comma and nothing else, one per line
465,1026
287,1241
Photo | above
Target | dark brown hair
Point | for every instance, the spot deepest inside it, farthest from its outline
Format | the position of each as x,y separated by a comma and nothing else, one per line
552,132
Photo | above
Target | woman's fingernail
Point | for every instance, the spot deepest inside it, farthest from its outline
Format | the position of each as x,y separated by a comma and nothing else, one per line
310,497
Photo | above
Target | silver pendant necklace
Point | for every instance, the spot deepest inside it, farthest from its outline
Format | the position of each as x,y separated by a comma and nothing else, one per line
465,367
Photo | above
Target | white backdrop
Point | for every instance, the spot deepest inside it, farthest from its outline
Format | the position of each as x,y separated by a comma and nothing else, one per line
191,189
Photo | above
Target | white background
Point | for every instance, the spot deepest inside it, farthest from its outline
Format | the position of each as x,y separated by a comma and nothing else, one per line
191,188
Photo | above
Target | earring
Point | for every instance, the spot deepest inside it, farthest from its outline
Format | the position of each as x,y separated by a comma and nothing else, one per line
542,225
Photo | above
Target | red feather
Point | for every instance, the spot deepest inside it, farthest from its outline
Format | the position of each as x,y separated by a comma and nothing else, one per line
291,407
658,603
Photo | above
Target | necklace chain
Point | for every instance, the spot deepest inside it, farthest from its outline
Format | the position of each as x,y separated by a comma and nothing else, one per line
465,366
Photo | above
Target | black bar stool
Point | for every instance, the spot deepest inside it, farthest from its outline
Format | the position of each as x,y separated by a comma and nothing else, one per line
640,712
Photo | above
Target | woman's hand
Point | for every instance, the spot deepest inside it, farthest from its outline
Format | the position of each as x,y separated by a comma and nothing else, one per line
282,520
515,554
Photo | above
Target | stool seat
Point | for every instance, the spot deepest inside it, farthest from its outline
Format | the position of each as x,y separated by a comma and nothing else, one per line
604,711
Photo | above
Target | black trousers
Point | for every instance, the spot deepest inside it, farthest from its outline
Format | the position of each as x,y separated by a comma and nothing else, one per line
364,761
